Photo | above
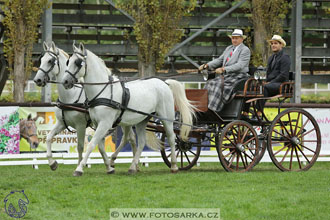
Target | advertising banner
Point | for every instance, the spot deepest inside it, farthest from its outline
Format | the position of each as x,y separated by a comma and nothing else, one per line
44,119
322,118
9,130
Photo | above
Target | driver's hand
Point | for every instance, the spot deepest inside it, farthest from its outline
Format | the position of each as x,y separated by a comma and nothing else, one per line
203,66
219,70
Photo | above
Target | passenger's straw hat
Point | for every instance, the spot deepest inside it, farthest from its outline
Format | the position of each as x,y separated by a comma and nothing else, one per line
278,38
237,32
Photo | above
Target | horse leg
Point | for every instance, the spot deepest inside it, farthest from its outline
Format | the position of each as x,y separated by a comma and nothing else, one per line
168,126
100,133
57,129
141,133
132,141
81,141
105,157
121,145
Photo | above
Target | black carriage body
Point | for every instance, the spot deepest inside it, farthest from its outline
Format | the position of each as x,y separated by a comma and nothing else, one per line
238,144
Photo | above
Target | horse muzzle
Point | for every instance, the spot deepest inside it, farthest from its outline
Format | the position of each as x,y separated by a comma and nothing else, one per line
40,82
41,79
68,83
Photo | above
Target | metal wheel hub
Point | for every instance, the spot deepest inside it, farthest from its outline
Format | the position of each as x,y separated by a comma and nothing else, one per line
184,146
240,147
295,141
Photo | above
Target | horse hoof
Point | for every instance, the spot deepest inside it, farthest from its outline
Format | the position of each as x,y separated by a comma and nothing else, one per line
54,166
111,172
174,171
77,173
130,171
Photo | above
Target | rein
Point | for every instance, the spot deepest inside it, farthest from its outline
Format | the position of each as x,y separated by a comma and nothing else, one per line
125,79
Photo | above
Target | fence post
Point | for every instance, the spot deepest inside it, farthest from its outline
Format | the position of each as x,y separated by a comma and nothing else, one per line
47,25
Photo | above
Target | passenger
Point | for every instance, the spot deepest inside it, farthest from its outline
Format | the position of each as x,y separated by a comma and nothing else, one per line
278,67
233,64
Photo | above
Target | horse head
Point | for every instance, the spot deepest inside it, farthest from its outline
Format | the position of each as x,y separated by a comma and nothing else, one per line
76,66
28,130
49,65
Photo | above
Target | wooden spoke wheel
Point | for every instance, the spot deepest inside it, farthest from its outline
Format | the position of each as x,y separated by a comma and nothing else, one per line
294,140
238,147
187,153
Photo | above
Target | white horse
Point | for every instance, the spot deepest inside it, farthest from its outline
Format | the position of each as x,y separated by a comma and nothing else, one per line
147,96
53,64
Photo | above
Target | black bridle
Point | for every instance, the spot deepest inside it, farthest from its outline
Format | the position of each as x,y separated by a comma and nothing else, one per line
53,61
79,62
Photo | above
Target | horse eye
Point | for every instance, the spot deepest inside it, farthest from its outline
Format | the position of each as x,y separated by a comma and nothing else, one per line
67,62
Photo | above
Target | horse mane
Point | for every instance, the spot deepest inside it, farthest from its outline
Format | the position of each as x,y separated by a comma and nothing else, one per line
108,70
64,53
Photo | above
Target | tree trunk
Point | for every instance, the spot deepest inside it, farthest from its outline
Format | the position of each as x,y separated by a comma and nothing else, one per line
19,76
146,69
260,41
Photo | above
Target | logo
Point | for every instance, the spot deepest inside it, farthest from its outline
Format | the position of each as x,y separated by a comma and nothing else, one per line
15,204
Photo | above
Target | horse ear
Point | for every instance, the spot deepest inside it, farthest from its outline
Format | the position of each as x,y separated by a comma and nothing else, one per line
54,48
29,117
45,46
82,47
74,48
35,118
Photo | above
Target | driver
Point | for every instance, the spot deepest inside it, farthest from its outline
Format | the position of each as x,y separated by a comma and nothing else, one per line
233,64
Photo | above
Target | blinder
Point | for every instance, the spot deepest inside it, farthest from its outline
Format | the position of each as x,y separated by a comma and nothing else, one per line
79,62
53,61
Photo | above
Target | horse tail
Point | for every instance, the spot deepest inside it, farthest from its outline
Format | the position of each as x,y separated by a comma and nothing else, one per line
153,142
186,109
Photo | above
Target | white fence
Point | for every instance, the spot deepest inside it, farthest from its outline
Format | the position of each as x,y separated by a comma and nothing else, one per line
35,159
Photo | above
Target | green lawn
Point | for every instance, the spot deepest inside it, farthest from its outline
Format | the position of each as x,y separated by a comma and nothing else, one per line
264,193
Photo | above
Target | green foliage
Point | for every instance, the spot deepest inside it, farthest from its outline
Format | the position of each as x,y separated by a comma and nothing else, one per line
316,98
267,18
21,22
157,25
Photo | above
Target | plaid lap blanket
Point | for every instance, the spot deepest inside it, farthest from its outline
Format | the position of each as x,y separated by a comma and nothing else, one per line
216,99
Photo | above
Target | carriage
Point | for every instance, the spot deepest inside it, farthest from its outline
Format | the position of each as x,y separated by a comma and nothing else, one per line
292,138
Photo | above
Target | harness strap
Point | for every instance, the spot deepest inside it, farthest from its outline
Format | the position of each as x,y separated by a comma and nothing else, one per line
80,107
124,101
116,105
65,124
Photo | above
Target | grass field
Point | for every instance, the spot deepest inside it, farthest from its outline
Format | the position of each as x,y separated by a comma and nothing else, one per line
264,193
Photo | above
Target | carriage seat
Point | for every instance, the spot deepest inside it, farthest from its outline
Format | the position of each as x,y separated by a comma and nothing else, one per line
232,109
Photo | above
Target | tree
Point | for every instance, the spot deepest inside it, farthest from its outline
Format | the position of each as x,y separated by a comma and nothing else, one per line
156,29
21,20
267,19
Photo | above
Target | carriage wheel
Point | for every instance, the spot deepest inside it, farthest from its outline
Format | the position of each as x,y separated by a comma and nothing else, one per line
294,140
238,148
187,153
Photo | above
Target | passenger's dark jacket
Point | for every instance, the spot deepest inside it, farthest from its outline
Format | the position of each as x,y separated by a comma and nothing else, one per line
278,72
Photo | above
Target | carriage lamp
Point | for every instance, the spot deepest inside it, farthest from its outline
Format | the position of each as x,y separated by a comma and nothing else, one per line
205,74
260,75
